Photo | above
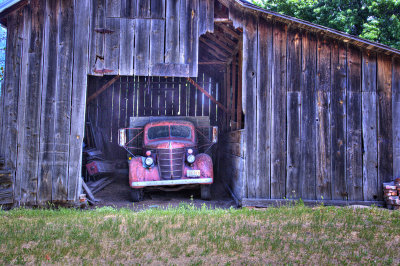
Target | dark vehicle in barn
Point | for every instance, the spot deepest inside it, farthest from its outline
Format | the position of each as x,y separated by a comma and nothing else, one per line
170,159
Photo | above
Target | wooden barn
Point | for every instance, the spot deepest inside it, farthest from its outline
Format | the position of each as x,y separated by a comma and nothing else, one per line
303,111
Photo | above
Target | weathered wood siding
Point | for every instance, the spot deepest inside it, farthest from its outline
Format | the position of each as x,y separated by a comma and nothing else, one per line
44,99
323,123
147,38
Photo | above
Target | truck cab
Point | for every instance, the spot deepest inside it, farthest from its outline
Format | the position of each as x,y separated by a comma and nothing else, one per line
170,159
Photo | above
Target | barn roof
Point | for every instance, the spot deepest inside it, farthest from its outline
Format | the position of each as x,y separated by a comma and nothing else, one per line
11,5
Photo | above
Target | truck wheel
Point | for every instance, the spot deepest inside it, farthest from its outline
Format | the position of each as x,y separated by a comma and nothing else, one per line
205,192
136,194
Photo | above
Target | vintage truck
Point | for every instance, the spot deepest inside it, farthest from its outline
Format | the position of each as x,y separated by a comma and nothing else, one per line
170,158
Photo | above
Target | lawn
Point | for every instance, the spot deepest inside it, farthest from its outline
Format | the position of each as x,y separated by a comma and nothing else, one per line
187,235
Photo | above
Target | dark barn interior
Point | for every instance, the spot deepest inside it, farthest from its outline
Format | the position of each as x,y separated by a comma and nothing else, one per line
303,111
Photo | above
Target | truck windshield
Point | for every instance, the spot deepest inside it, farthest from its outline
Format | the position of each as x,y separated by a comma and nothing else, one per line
181,132
158,132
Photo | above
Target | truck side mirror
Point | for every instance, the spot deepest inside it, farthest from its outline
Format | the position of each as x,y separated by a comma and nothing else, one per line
122,137
214,135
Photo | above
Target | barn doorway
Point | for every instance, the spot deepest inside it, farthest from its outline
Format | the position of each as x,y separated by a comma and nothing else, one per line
114,100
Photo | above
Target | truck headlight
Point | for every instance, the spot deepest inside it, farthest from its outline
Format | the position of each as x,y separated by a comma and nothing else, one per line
191,158
149,161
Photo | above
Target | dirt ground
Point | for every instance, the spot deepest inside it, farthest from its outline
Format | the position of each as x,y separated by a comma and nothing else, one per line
117,195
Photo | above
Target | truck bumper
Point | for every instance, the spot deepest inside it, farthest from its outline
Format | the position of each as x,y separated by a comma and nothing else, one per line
141,184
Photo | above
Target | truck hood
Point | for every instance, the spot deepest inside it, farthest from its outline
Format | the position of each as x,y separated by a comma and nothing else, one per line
167,144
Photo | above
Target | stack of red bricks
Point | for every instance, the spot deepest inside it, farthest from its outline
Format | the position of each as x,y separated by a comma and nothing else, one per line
391,192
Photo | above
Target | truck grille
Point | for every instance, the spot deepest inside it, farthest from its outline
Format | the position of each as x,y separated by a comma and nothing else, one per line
170,162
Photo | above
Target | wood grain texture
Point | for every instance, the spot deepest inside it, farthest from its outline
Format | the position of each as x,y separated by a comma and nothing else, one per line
308,115
127,44
78,96
278,113
157,36
113,8
396,116
369,127
293,114
249,93
47,126
172,32
142,39
97,39
10,94
63,100
30,103
263,123
385,133
112,46
338,120
323,130
354,119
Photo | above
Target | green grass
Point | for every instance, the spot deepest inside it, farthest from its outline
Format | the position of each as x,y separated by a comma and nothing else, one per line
186,235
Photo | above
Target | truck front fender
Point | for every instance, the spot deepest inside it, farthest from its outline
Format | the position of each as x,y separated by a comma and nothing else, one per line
205,165
138,173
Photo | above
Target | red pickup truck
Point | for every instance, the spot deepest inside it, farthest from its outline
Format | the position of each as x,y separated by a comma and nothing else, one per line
170,159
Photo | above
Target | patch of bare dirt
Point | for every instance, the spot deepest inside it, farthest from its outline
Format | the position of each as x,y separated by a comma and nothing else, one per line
117,195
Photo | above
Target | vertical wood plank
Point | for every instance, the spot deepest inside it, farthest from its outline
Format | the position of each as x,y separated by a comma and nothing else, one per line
213,106
163,105
142,39
157,34
78,98
250,44
116,100
396,116
324,170
206,103
172,31
169,97
293,113
385,134
126,51
184,31
354,120
30,103
264,77
210,15
128,8
278,113
47,126
369,127
96,50
175,110
192,56
202,17
112,43
338,120
113,8
199,97
234,90
62,113
10,93
228,94
308,114
143,8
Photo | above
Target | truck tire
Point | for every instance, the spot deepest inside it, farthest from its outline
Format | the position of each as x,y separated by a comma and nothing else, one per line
136,194
205,192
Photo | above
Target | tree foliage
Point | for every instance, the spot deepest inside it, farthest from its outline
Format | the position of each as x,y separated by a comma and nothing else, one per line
375,20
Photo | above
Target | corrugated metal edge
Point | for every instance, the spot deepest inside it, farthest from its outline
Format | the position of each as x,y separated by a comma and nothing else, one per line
334,32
